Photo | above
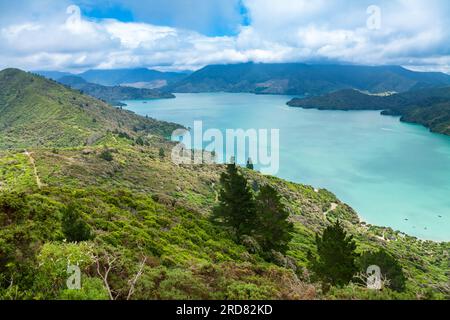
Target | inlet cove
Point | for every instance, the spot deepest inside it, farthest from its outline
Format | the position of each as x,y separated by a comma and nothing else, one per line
392,173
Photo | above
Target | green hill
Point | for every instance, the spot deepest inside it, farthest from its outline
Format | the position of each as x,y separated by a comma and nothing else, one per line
40,112
428,107
304,79
140,214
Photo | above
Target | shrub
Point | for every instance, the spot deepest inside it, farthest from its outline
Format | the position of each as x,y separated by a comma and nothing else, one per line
73,226
106,155
390,268
140,141
162,153
239,290
91,289
53,259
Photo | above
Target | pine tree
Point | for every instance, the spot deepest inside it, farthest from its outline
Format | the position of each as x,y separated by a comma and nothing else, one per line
140,141
236,203
162,154
335,264
250,164
274,231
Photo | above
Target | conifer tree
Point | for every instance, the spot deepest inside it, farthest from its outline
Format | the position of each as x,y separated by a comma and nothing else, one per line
274,231
335,264
250,164
237,206
162,154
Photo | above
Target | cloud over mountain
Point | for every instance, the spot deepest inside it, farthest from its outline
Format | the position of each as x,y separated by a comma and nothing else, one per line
66,35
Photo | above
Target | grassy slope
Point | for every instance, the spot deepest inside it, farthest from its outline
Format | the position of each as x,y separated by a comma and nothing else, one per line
39,112
141,205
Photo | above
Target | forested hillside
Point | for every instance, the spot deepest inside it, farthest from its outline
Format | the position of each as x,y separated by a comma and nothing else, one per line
39,112
141,227
304,79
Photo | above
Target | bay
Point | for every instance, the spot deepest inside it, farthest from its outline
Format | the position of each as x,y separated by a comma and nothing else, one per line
392,173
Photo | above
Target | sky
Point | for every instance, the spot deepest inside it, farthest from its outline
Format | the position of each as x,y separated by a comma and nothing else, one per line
76,35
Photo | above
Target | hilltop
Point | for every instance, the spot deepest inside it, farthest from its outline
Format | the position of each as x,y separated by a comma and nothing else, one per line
36,111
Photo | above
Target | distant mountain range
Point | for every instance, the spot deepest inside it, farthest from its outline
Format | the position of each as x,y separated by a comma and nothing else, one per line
429,107
303,79
112,94
422,97
280,78
139,77
131,76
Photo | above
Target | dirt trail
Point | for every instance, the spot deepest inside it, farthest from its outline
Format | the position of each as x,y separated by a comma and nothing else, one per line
333,207
36,176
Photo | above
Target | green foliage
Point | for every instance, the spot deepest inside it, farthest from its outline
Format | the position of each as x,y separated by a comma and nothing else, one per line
91,289
73,226
140,141
52,265
146,209
106,155
37,112
249,164
390,268
237,205
274,231
335,263
182,285
162,154
238,290
25,222
358,292
298,79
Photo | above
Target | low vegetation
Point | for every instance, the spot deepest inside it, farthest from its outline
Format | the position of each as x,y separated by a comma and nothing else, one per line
140,227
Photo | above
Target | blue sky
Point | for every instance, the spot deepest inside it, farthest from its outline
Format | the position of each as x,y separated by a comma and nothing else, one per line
209,17
188,34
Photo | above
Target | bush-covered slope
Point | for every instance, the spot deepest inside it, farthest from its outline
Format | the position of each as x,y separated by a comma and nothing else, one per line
120,204
141,206
35,111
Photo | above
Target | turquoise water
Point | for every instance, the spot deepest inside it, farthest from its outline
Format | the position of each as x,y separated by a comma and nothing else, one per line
392,173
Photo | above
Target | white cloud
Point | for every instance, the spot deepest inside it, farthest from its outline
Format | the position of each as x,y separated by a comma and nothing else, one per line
413,33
